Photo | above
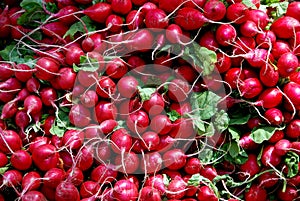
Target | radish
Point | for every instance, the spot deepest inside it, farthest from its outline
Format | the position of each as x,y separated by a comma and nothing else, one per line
73,55
255,192
269,98
125,190
249,29
269,157
127,163
225,34
4,159
48,96
206,193
38,141
33,85
287,64
53,177
151,162
75,176
265,39
292,91
236,12
293,129
285,26
134,20
274,116
21,160
214,10
55,30
156,182
31,181
193,166
121,141
46,68
268,75
98,12
178,90
156,18
279,48
260,17
85,158
9,110
176,188
4,23
138,122
161,124
169,6
208,40
45,157
33,196
149,193
122,7
127,86
86,78
150,141
249,168
290,193
79,115
23,72
66,78
102,152
174,159
154,105
106,87
190,19
250,88
73,139
66,191
89,99
141,40
282,147
66,14
116,68
103,174
268,179
9,141
12,178
88,189
105,110
114,22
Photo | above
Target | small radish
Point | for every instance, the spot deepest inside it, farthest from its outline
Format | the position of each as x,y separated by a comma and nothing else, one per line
21,160
45,157
31,181
66,191
190,19
285,26
98,12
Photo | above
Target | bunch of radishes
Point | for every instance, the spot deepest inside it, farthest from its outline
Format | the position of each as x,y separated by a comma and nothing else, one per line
149,100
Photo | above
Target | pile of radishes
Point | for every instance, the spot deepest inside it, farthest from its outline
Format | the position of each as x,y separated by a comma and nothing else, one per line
149,100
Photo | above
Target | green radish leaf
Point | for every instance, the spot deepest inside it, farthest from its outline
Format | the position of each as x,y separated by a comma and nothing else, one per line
51,7
196,180
236,154
292,162
238,117
221,121
173,115
3,170
61,123
249,4
79,28
261,134
86,64
235,133
280,9
145,93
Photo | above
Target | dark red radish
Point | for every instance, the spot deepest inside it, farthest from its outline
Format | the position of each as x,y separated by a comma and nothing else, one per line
176,188
290,193
155,105
75,176
150,140
214,10
4,23
190,19
88,189
258,57
293,129
127,86
265,39
282,147
89,99
269,98
151,162
274,116
10,141
53,177
33,196
187,73
48,96
255,192
46,68
268,75
208,40
79,115
73,139
279,48
178,90
174,159
99,44
116,68
66,14
156,18
292,91
246,142
102,152
225,34
31,181
88,44
48,192
285,27
33,85
287,64
106,87
181,108
3,159
66,191
121,7
6,71
192,166
45,157
127,163
55,30
9,110
258,16
105,110
84,1
169,6
138,122
103,174
21,160
114,23
134,20
125,190
236,12
249,168
86,78
12,178
85,158
121,140
38,141
148,193
161,124
250,88
223,63
268,179
98,12
11,85
141,40
23,72
66,78
73,55
269,157
206,193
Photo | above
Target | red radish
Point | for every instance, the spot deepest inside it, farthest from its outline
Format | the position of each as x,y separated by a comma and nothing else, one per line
84,1
102,152
122,7
256,193
149,193
23,72
116,68
66,78
48,192
38,141
141,40
79,115
156,182
293,10
151,162
53,177
85,158
103,174
138,121
125,190
33,196
249,29
161,124
269,98
206,193
45,157
121,140
233,76
108,126
31,181
88,44
73,139
88,189
105,110
225,34
150,141
269,157
293,129
9,110
292,91
10,141
285,26
268,179
268,75
48,96
279,48
33,85
249,168
287,64
214,10
73,55
98,12
66,191
181,108
12,178
114,22
258,16
89,99
65,14
274,116
134,20
155,105
106,87
55,30
193,166
178,90
127,163
176,188
290,193
282,147
6,71
3,159
251,88
173,33
21,160
169,6
265,39
190,19
11,85
156,18
208,40
174,159
236,12
127,86
223,62
86,78
75,176
246,142
46,68
4,23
